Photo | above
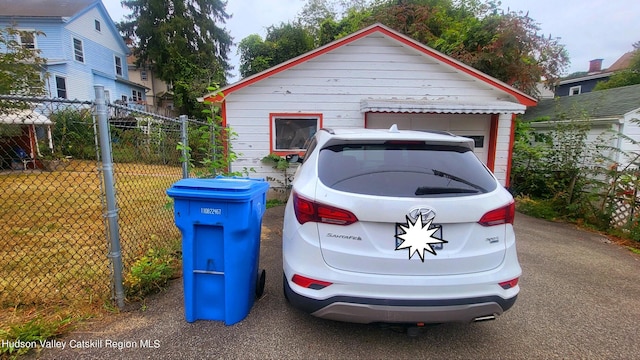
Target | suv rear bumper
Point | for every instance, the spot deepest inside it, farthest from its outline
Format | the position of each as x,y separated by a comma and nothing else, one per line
371,310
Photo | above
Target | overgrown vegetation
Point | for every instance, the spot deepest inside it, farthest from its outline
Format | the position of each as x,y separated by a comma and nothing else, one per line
73,134
151,272
281,164
16,339
210,152
560,174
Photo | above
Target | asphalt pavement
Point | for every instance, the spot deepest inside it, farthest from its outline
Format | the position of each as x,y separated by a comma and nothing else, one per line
579,299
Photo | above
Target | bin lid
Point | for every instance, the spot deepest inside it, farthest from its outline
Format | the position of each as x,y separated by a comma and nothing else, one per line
227,188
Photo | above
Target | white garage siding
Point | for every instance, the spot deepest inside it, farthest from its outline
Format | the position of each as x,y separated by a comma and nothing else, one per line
339,83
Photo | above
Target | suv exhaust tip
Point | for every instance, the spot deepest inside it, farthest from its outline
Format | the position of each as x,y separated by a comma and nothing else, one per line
484,318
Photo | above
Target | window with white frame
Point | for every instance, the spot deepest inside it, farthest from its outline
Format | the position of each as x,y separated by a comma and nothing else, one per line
118,60
575,90
78,51
137,95
97,25
143,75
61,87
290,132
27,39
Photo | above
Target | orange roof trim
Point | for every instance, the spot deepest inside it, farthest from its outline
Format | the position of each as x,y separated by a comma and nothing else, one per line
523,98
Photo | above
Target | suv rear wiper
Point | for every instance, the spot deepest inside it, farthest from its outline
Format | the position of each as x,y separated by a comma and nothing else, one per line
428,190
460,180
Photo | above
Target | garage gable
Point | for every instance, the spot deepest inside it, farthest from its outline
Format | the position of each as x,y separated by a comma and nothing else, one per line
378,30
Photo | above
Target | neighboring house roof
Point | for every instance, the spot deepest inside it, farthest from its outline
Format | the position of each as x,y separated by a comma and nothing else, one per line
38,8
610,103
605,74
521,97
622,63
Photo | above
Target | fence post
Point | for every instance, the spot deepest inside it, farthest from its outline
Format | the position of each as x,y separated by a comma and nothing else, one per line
185,143
115,253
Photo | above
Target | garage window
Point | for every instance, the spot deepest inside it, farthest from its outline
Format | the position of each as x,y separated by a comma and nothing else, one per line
290,132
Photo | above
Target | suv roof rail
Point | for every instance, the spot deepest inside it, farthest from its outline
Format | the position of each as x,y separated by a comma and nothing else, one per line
329,130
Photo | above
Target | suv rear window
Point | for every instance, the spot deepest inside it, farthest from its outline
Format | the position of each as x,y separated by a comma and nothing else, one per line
404,169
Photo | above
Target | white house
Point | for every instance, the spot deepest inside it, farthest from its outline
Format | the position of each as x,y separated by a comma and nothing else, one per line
613,117
372,78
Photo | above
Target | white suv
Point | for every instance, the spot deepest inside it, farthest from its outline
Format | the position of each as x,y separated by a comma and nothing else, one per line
397,226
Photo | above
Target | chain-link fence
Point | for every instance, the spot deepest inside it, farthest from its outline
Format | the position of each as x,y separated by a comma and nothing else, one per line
55,218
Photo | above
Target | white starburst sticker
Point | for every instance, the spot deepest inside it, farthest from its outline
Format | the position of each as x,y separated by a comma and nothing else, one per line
417,237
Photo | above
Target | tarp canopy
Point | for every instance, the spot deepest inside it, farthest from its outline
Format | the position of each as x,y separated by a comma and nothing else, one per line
440,106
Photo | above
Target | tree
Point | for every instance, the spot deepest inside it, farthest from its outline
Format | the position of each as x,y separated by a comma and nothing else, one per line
626,77
316,12
20,67
315,25
282,43
183,42
255,55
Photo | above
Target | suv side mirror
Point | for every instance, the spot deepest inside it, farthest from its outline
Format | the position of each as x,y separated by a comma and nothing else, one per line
293,158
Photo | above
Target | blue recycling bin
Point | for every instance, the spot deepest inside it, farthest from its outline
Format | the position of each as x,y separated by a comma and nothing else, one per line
220,220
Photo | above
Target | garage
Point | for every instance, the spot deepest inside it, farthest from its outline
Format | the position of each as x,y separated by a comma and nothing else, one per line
372,78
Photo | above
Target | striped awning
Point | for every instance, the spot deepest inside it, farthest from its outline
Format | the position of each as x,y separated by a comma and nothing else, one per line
440,106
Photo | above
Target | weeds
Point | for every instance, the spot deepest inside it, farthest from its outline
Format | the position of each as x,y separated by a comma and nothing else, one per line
20,337
274,202
150,273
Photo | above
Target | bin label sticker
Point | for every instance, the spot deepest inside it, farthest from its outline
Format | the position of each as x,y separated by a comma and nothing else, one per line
211,211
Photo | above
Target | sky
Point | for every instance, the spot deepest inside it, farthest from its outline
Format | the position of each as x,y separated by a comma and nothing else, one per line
589,29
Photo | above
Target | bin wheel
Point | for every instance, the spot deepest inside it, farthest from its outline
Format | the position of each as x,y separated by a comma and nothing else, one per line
262,274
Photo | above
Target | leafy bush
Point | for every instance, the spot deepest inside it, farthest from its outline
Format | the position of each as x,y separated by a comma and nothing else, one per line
73,133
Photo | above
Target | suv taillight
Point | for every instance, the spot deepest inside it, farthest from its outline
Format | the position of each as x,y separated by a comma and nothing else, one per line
500,216
311,211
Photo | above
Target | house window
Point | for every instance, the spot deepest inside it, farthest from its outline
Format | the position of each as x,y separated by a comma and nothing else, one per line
77,50
575,90
27,39
61,87
118,65
97,25
137,95
123,98
143,75
290,132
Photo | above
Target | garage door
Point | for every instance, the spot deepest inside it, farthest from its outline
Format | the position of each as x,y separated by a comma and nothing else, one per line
473,126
